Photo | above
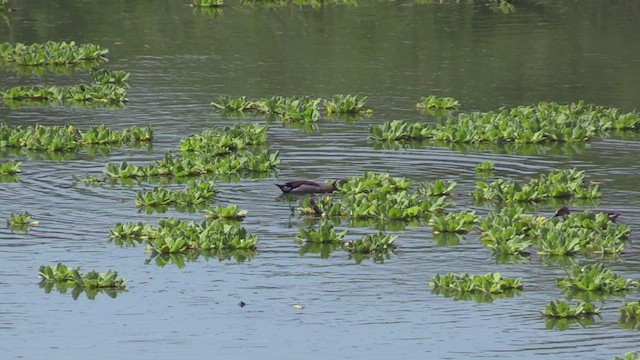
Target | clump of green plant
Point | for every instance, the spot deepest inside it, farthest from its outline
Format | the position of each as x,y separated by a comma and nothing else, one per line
401,205
630,310
487,283
460,222
324,207
566,183
485,166
10,168
229,151
595,277
196,194
631,355
374,182
19,222
323,233
435,102
562,309
51,53
437,188
231,212
179,236
544,122
63,277
208,3
109,76
68,138
373,245
345,104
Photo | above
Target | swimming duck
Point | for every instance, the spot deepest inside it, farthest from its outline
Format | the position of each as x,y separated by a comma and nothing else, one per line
309,187
566,211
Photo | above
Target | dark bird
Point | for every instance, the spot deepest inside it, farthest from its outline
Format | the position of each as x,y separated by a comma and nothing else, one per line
566,211
309,187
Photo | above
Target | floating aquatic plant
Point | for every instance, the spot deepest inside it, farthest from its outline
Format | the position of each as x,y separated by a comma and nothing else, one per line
92,282
373,245
208,3
231,212
562,309
544,122
631,355
460,222
437,188
51,53
487,283
345,104
68,138
10,168
485,166
595,277
435,102
109,76
196,193
324,207
371,182
323,233
565,183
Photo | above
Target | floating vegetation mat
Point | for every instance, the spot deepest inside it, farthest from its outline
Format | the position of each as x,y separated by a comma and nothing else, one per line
237,150
51,52
544,122
63,278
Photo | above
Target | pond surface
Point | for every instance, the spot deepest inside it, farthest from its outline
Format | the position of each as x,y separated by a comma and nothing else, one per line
392,52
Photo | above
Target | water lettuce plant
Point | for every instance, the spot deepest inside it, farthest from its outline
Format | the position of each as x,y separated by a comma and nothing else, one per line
323,233
630,310
231,212
233,150
62,277
195,194
460,222
562,309
95,93
110,76
563,183
51,52
631,355
485,166
10,168
437,188
378,246
179,236
19,222
370,182
435,102
208,3
595,277
544,122
346,104
68,137
487,283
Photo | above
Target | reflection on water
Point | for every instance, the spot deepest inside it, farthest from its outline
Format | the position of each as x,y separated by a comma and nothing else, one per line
394,53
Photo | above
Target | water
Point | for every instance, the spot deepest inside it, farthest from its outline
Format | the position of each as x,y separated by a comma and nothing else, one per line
392,52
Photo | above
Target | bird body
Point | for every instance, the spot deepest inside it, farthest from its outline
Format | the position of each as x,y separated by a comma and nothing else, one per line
308,187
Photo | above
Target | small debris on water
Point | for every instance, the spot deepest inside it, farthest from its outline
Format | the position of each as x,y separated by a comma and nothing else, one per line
297,307
242,304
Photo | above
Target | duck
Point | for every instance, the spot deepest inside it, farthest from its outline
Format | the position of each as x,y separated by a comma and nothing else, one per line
309,187
566,211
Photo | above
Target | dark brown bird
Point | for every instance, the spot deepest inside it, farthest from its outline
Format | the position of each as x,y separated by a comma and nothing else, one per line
309,187
566,211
